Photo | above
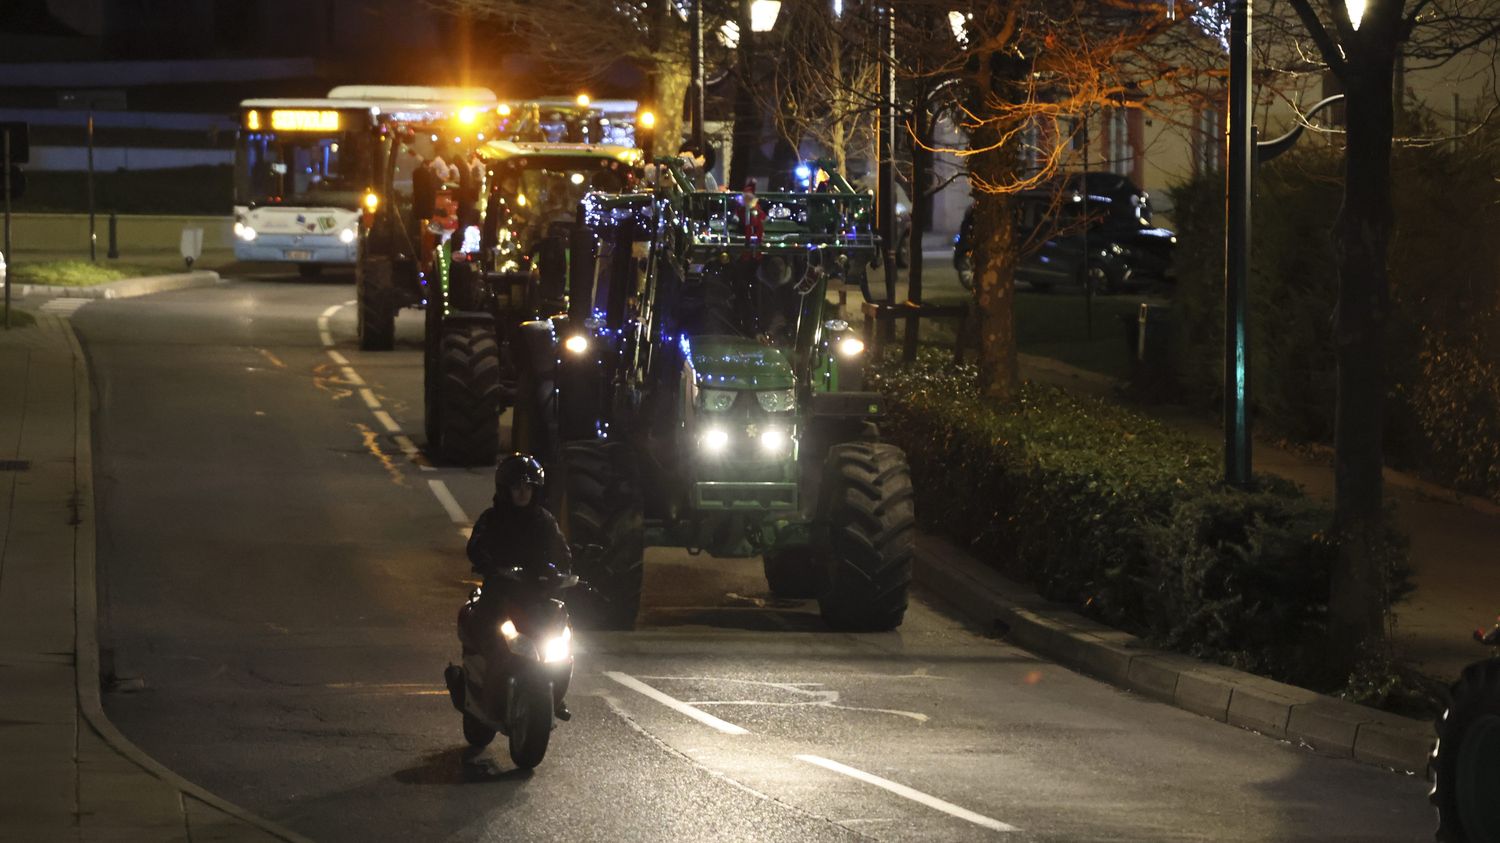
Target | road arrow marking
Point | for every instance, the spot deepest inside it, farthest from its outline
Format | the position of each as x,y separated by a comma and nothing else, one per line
675,704
909,793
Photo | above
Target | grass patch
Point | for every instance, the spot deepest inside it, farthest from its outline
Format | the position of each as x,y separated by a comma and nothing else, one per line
1057,325
76,273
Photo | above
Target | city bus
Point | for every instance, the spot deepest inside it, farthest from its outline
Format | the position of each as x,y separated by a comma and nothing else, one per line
303,167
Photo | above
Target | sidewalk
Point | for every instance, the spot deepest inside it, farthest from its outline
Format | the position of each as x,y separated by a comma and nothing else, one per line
1455,540
65,772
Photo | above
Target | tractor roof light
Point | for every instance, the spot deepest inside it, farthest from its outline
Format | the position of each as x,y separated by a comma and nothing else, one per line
372,201
647,120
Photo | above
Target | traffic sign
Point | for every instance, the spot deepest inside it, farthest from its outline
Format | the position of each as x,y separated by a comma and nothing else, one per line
20,140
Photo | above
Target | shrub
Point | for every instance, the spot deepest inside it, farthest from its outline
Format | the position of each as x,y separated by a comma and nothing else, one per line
1443,334
1110,511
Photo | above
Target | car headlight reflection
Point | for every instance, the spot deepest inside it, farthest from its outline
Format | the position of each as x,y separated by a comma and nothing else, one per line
559,648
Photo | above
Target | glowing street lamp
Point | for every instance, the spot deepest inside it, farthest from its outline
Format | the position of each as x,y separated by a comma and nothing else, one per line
763,14
1356,10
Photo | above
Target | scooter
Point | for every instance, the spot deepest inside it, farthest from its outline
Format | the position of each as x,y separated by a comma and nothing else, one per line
517,662
1466,759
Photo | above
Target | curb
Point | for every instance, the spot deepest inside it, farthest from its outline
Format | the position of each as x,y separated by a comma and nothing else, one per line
1282,711
126,288
86,607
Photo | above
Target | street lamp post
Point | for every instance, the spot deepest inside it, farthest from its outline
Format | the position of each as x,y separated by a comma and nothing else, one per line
696,95
1237,252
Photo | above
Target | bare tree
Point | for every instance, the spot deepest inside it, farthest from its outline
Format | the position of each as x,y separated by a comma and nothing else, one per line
1364,51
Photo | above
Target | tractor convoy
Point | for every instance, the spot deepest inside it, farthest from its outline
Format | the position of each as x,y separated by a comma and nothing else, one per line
670,353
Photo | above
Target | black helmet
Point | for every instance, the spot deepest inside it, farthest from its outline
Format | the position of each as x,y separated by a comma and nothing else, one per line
519,468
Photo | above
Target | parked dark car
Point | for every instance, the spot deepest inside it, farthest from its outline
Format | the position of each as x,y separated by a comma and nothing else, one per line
1094,231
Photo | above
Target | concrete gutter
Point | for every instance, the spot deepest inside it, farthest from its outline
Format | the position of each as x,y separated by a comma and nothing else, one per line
126,287
1286,712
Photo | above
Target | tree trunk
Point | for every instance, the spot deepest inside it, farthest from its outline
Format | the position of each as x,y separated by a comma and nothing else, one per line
669,87
1361,240
995,240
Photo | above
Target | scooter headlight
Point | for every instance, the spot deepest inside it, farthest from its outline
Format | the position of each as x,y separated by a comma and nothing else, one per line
559,648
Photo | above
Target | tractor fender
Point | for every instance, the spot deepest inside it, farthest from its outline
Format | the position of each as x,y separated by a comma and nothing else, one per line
538,348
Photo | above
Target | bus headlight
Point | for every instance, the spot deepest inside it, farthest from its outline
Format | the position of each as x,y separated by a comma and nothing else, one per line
346,236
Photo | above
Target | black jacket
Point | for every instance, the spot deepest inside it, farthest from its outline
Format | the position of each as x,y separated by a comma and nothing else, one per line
507,536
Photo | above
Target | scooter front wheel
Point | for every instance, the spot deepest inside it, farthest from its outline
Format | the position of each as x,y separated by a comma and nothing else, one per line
531,724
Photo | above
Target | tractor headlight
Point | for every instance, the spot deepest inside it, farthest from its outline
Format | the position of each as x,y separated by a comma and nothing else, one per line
851,346
776,401
715,440
773,440
559,648
246,233
576,344
716,400
346,236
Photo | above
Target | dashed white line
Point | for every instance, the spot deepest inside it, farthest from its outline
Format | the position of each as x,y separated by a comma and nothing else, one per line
337,358
450,503
332,309
910,793
326,337
370,400
390,424
675,704
352,376
409,448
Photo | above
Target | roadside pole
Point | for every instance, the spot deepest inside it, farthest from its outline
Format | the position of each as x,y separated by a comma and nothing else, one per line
1237,252
7,256
93,236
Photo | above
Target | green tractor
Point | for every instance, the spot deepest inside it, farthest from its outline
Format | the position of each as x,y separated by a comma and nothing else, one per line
701,393
507,267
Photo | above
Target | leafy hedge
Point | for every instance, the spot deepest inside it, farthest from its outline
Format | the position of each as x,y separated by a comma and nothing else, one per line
1443,334
1106,509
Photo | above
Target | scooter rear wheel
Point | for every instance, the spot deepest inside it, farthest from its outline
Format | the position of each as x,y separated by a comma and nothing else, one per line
531,725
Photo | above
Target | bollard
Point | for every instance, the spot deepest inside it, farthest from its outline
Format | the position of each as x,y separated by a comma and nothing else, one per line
114,237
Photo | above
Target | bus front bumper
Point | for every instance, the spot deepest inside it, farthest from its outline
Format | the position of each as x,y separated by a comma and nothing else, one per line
297,248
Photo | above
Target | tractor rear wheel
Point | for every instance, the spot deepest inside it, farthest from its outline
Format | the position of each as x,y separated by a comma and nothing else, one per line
868,508
1466,762
375,290
602,515
468,394
796,572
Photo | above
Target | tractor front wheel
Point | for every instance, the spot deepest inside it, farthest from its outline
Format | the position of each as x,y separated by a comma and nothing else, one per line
468,394
602,515
1466,761
375,292
869,513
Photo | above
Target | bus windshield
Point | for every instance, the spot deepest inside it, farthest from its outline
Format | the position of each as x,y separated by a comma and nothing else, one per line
300,169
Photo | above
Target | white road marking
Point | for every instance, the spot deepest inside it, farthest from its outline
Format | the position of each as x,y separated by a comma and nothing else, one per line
352,376
337,358
811,691
675,704
64,305
326,337
370,400
390,424
909,793
332,309
409,448
450,503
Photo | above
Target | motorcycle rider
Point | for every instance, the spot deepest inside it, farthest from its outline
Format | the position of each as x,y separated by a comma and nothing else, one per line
516,531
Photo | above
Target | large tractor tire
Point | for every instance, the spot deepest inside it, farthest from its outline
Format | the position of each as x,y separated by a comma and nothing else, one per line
868,509
375,292
796,572
1466,762
602,515
468,394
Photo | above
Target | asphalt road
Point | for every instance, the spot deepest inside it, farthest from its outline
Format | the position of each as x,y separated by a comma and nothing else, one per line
282,577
